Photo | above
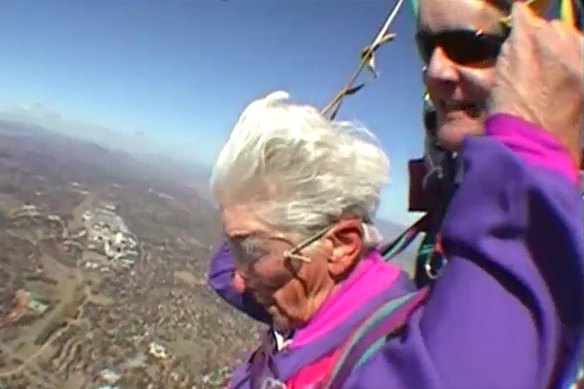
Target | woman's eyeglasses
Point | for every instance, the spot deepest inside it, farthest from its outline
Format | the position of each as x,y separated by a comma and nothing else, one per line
465,47
249,249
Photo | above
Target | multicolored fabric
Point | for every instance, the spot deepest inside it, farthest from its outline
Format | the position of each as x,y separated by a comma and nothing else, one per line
572,13
372,334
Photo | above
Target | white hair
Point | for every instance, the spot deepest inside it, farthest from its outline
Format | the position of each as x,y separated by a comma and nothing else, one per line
298,170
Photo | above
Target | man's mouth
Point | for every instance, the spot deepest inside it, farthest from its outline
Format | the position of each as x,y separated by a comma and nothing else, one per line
450,106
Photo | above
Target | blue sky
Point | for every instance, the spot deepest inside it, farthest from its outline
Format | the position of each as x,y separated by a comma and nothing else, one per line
180,72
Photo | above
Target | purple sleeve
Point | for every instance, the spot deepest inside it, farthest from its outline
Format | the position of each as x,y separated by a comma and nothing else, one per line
221,273
507,311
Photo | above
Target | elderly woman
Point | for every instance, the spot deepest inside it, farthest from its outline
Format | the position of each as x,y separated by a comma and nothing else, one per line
298,193
299,180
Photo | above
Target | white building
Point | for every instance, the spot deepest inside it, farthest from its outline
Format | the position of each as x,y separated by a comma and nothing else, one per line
157,350
109,376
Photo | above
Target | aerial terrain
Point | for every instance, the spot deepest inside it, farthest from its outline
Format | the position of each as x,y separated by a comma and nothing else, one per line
102,269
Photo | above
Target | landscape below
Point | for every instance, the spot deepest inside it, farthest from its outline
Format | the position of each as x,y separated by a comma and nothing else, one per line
103,264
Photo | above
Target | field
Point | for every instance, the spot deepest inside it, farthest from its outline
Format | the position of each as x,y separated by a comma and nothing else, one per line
103,256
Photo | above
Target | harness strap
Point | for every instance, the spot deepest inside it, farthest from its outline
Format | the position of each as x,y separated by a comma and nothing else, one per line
372,333
429,261
402,242
430,258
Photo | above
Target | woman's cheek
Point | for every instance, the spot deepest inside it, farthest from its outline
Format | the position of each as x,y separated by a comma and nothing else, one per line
238,283
291,301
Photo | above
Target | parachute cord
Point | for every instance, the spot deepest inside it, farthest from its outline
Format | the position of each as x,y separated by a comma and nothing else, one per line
367,60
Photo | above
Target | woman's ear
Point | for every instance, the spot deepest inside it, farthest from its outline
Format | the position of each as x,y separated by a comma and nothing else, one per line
347,245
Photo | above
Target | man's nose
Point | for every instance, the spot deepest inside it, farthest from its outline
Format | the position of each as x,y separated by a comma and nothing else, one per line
440,68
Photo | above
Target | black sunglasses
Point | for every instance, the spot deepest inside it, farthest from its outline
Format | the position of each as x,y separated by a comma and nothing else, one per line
465,47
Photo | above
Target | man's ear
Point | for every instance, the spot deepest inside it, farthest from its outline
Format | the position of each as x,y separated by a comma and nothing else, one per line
346,239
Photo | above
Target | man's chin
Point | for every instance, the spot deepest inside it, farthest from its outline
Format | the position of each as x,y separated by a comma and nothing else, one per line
451,133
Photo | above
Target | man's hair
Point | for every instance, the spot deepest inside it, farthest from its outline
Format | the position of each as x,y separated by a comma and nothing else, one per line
299,171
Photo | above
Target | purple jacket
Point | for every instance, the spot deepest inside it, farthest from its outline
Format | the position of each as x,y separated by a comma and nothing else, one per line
507,311
221,273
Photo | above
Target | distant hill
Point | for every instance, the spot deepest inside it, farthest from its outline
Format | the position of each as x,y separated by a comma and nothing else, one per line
93,163
390,230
